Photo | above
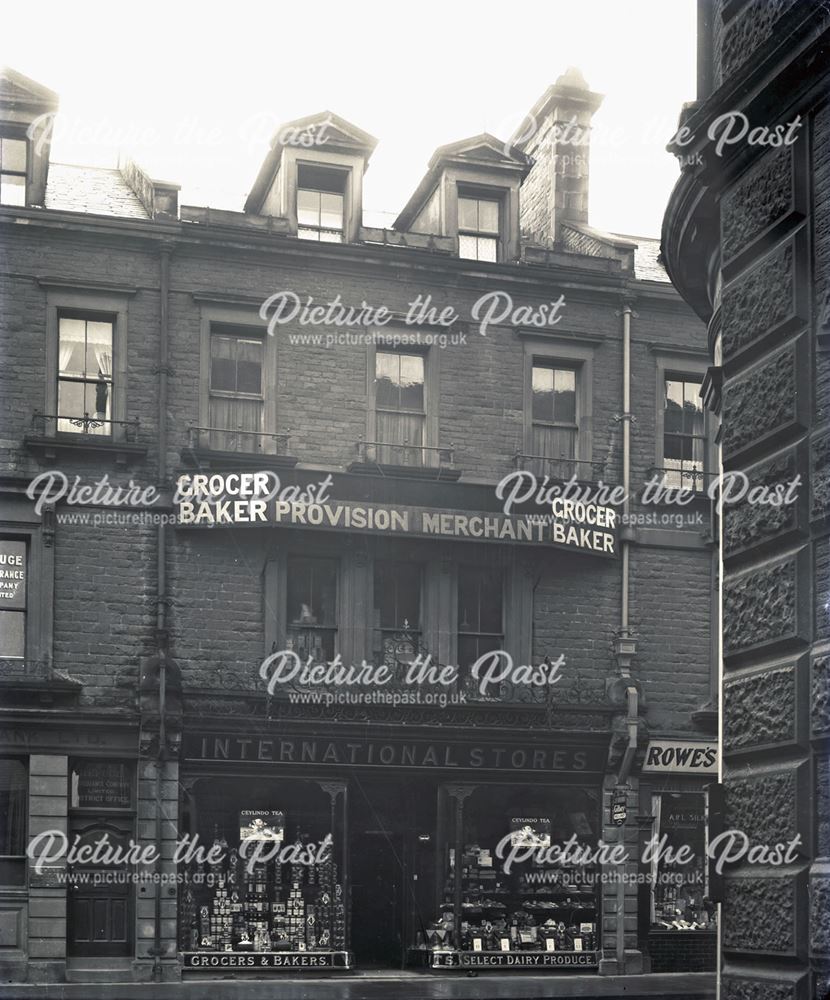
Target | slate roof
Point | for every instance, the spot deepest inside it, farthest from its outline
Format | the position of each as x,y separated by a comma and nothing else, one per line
95,190
646,267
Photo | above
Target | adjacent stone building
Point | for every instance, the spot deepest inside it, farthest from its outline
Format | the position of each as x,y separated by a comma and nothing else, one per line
746,241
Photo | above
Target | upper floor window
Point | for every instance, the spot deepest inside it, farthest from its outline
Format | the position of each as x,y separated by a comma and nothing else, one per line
235,393
13,568
12,171
312,607
480,614
554,428
85,373
684,433
320,204
400,413
478,228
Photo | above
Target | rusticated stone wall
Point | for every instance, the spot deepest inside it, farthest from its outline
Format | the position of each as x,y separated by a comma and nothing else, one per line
776,920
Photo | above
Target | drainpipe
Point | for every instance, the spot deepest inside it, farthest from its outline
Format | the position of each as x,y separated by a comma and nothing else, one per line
161,587
631,692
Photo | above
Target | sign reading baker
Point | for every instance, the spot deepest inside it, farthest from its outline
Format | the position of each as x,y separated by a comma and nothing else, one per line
681,757
239,499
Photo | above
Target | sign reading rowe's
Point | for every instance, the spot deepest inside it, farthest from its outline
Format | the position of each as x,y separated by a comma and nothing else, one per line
681,757
590,528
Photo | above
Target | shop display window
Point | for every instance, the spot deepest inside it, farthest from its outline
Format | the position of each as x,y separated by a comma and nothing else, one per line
679,891
269,883
530,904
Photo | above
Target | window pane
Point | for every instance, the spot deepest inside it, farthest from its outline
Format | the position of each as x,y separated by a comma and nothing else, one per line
13,805
249,366
564,406
412,382
329,236
488,217
542,385
12,189
312,591
490,615
468,247
222,364
692,408
12,634
398,594
467,600
487,249
13,155
308,208
71,398
468,214
673,418
331,210
98,348
71,352
387,375
309,234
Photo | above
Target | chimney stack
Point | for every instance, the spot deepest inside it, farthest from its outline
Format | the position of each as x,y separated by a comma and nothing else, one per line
556,134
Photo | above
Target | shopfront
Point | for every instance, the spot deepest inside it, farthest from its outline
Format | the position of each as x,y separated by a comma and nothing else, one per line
333,852
678,916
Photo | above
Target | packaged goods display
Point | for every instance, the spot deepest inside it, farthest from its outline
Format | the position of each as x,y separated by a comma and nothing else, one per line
233,905
532,909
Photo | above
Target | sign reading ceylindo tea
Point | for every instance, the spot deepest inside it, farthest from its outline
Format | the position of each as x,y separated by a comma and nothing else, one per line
681,757
590,528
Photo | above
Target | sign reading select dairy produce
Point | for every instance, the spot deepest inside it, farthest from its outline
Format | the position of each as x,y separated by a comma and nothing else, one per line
681,757
589,528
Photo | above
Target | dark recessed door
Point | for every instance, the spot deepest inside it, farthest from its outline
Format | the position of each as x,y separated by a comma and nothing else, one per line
100,898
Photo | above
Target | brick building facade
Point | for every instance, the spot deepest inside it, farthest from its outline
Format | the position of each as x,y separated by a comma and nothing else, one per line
745,240
136,345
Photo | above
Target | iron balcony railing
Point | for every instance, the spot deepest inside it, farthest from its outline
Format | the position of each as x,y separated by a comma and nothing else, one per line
239,440
694,480
51,424
560,468
404,453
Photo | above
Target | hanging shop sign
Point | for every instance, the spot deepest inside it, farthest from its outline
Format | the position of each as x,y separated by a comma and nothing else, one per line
681,757
619,807
584,527
394,753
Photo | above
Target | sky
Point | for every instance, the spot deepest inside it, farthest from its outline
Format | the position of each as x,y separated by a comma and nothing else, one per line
193,92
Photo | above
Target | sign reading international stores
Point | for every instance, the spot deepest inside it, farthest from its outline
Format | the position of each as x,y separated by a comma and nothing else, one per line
584,527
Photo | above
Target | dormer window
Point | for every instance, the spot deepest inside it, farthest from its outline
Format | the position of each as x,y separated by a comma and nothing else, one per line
478,228
12,171
321,203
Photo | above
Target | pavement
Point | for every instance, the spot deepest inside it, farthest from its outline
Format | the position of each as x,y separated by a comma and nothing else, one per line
386,986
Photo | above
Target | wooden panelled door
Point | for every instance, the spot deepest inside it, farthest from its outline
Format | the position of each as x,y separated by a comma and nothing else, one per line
100,898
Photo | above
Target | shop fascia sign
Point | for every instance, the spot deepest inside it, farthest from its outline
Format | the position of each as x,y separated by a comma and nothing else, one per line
235,499
668,756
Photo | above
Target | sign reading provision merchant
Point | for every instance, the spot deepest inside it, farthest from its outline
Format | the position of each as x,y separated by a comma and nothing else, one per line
226,500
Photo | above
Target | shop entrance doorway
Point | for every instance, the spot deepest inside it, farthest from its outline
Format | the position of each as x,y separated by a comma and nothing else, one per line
388,871
99,903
